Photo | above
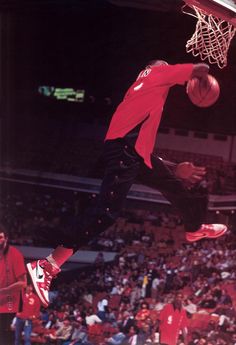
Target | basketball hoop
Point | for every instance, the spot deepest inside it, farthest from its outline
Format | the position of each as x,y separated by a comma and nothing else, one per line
212,36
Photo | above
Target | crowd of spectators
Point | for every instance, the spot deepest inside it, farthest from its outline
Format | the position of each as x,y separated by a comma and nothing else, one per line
28,214
120,302
31,214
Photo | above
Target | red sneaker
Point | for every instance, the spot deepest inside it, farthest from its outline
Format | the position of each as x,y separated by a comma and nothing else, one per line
42,272
206,231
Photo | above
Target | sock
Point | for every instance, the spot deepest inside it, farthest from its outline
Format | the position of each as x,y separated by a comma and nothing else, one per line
59,256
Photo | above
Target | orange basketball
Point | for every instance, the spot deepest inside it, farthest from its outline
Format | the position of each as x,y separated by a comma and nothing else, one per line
203,92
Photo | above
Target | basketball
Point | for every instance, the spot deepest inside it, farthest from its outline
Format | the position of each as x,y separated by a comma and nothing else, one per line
203,92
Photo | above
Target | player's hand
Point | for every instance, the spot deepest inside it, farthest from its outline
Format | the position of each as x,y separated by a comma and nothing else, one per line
200,70
188,171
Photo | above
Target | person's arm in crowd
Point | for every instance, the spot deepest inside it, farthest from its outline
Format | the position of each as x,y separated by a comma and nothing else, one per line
114,341
13,324
185,335
17,286
97,319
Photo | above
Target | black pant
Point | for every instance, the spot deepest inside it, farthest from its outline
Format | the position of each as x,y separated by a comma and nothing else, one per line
6,334
122,165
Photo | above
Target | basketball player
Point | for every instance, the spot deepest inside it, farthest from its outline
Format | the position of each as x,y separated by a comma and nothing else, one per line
12,280
128,149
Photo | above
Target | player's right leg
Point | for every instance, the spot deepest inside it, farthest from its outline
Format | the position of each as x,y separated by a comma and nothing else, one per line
43,271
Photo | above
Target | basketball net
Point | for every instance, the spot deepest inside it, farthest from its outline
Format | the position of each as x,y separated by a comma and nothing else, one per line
212,37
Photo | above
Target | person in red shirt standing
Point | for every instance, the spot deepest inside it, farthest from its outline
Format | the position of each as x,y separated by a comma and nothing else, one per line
173,319
12,280
24,319
142,315
128,149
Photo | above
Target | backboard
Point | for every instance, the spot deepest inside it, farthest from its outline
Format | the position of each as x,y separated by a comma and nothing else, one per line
224,9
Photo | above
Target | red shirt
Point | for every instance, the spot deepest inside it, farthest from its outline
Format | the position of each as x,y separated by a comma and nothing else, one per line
31,306
142,314
11,268
171,322
144,102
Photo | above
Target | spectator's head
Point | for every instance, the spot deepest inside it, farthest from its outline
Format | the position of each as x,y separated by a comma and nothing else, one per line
144,306
146,327
77,324
177,302
3,238
126,314
90,311
133,330
66,322
195,336
234,338
202,341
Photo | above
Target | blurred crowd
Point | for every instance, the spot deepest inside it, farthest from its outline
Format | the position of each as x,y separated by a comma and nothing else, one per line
121,302
29,215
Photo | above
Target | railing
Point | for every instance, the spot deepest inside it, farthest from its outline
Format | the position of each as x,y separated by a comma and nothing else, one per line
90,185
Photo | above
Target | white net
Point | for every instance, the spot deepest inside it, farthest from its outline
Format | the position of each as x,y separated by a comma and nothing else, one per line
211,39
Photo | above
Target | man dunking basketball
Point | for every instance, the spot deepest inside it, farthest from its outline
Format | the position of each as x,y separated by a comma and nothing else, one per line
128,149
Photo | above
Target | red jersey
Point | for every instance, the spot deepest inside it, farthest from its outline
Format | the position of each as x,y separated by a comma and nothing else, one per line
11,268
144,102
31,307
171,322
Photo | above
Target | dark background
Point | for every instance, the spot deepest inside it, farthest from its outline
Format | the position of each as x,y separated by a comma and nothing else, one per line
101,47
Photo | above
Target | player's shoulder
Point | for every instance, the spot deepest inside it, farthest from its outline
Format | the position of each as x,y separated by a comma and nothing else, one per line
148,72
161,67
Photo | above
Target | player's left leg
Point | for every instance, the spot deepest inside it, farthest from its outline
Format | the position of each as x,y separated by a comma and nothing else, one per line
121,168
191,203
